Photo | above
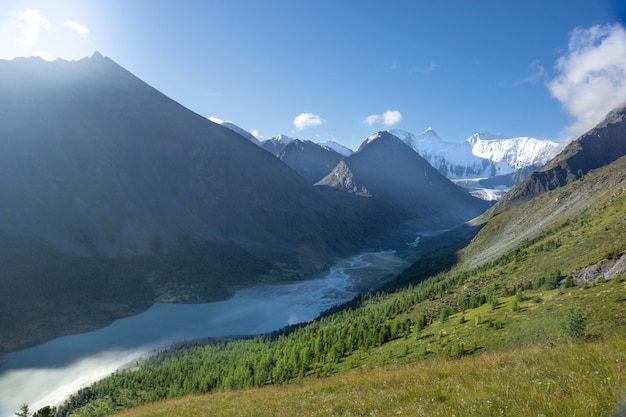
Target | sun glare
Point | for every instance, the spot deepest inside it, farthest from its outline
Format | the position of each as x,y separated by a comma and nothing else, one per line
44,31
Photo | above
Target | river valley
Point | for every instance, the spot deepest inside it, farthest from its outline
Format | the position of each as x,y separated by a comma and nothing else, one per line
48,373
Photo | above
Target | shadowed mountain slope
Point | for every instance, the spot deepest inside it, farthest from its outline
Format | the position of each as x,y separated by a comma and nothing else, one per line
311,161
488,303
276,144
99,163
598,147
403,184
112,196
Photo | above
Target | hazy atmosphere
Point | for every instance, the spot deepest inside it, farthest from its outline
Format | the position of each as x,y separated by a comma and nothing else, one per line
329,70
312,208
50,372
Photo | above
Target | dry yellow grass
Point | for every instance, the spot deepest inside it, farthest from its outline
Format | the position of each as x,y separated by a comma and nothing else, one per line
586,379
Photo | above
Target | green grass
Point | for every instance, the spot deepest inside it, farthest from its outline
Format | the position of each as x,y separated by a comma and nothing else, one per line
522,366
571,379
525,368
492,341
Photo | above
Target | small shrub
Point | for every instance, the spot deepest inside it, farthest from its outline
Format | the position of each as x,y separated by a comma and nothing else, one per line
444,314
574,325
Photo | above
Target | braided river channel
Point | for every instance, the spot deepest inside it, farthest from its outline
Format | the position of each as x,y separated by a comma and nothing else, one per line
48,373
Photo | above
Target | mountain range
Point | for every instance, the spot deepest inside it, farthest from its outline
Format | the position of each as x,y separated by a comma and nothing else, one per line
310,160
596,148
486,165
525,318
113,196
385,167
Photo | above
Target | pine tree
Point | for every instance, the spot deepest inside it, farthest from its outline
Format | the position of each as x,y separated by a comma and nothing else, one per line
575,324
46,411
24,411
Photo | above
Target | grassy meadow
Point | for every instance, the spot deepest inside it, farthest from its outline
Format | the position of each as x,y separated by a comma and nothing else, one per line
507,325
549,375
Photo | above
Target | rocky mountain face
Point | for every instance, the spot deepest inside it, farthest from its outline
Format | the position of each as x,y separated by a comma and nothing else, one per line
276,144
505,161
311,161
337,147
403,184
97,163
112,196
237,129
600,146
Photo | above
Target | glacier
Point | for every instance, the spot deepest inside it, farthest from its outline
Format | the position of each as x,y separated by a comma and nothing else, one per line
482,155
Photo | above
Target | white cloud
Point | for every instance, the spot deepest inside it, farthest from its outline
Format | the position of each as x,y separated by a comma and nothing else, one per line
591,78
81,29
388,118
43,32
29,23
307,119
256,134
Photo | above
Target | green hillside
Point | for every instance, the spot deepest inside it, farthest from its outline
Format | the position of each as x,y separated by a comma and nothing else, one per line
512,324
562,381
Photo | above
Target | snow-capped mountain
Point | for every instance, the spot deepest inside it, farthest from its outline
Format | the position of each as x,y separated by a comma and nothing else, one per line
243,132
333,145
483,155
596,148
402,183
516,153
276,144
452,159
487,165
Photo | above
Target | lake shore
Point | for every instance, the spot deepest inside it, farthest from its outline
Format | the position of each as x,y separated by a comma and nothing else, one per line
46,374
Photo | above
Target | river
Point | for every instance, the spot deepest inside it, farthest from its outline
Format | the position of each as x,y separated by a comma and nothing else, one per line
49,373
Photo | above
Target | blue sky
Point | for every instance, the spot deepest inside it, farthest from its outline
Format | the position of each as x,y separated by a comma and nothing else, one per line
343,69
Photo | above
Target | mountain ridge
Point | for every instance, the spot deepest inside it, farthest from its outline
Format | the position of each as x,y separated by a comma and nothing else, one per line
388,170
598,147
525,291
481,155
310,160
115,195
484,158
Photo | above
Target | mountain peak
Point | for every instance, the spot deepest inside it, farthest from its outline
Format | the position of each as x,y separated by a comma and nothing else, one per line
276,144
427,136
235,128
386,169
483,136
373,137
379,137
284,139
596,148
337,147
